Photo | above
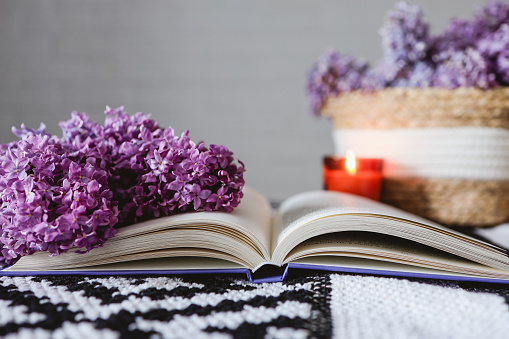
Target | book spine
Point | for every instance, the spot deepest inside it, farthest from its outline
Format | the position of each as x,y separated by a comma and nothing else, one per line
268,273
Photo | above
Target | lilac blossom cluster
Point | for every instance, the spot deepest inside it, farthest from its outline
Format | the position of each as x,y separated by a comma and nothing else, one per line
469,53
75,191
50,202
404,42
153,172
336,73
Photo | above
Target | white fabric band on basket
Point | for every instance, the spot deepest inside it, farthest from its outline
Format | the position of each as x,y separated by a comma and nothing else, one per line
480,153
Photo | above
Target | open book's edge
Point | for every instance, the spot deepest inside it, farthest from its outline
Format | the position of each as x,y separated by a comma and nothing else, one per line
390,273
126,272
275,274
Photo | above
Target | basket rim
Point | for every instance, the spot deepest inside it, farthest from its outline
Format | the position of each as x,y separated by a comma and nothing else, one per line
399,107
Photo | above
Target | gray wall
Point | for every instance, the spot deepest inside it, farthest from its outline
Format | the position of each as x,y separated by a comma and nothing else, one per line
232,72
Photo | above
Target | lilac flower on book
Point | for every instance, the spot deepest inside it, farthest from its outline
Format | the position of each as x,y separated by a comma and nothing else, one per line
176,175
153,172
51,205
57,194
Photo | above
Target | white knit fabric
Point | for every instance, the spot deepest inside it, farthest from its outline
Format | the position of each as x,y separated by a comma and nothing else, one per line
373,307
463,153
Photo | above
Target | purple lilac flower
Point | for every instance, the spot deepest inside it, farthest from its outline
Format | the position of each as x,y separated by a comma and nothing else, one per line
404,41
25,131
473,53
493,44
458,68
502,66
57,194
418,75
78,126
461,34
494,47
372,80
489,18
178,175
47,205
333,74
421,75
151,171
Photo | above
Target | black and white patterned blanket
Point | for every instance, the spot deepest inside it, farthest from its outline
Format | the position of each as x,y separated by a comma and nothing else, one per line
316,305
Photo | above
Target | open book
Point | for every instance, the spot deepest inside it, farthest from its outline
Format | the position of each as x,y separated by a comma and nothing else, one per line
315,230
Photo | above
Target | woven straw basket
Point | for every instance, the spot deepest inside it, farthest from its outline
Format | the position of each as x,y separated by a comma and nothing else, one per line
466,130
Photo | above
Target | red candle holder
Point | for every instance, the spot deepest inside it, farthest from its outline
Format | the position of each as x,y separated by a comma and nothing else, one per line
365,181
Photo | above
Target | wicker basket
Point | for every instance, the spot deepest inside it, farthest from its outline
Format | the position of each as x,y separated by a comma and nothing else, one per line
452,198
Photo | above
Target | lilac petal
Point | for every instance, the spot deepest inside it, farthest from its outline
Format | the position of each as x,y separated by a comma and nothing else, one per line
8,166
204,194
18,186
175,185
127,148
74,169
145,134
213,198
93,187
67,197
196,203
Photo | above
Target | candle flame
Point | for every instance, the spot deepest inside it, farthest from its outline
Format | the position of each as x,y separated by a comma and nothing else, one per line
350,165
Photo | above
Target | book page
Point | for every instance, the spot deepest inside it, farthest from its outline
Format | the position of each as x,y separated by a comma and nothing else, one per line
171,259
388,248
252,217
310,206
323,212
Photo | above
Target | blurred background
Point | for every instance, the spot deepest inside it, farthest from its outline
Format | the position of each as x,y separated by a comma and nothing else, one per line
231,72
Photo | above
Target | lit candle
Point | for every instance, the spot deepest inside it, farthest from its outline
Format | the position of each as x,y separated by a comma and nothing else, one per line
357,176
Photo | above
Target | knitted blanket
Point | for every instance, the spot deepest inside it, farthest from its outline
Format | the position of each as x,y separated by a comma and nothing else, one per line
307,304
317,305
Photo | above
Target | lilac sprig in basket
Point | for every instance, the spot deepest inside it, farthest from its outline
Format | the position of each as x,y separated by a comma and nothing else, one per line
436,108
75,191
469,53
